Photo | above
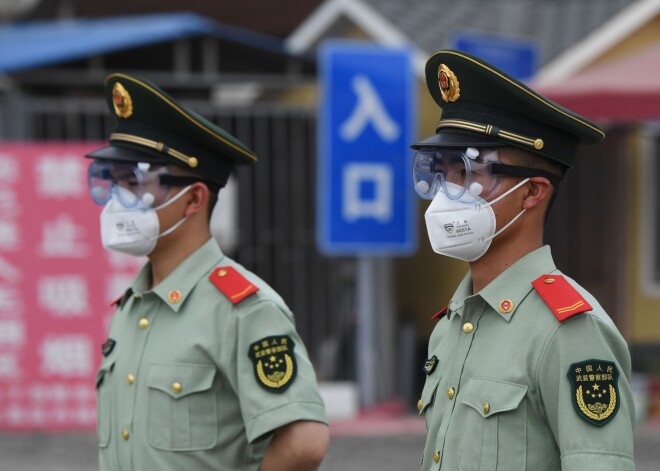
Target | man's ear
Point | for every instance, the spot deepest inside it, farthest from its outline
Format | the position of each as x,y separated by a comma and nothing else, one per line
197,200
538,192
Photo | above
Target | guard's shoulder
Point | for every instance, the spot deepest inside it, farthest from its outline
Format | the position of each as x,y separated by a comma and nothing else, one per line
232,284
119,302
564,300
440,314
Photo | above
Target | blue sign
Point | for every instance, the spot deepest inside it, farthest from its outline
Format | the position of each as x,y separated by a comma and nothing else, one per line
515,57
366,203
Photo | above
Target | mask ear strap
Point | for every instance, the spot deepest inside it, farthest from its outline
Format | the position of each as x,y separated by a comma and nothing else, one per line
517,215
175,226
507,225
490,203
174,198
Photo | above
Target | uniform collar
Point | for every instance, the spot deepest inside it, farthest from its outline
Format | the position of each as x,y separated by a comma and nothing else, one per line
174,289
505,293
462,294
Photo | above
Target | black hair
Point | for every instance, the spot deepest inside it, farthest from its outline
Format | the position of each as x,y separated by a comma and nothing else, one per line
524,158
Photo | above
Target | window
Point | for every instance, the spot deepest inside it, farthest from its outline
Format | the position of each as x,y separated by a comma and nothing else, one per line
650,247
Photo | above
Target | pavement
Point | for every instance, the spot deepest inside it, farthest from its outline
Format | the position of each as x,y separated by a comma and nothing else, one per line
387,442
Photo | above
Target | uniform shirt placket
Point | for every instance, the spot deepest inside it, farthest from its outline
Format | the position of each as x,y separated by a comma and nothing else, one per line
139,322
465,327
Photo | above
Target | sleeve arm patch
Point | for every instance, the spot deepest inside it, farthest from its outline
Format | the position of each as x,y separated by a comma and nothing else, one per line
274,362
595,390
563,300
232,284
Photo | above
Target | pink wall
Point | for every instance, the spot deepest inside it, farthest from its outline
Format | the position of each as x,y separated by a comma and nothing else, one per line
56,286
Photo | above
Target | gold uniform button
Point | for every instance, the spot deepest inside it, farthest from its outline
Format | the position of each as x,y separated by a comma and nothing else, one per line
451,393
468,327
131,379
176,387
486,408
420,404
144,323
436,457
125,435
136,295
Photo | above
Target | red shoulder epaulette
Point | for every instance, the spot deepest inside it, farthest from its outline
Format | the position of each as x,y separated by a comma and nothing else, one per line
117,302
232,284
438,315
563,300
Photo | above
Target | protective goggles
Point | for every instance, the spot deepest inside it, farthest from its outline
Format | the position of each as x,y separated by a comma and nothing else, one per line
146,184
474,170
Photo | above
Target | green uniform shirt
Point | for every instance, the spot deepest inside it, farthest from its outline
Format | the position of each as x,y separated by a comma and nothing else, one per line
499,394
179,386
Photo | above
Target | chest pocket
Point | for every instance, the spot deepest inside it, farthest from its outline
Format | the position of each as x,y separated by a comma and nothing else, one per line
182,407
494,433
103,406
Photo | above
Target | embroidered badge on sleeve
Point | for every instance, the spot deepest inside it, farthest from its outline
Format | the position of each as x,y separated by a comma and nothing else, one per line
108,346
274,362
594,388
430,364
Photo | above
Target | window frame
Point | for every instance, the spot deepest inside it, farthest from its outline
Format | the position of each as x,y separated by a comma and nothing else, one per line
650,210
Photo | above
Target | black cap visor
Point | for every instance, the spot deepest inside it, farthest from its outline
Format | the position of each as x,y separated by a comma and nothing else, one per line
127,154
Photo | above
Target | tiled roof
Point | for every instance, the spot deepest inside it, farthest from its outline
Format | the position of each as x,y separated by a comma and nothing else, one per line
553,25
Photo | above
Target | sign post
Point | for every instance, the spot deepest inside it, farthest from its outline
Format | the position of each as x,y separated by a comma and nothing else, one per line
366,205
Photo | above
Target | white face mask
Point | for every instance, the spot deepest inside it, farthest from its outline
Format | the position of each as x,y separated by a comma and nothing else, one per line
463,228
133,231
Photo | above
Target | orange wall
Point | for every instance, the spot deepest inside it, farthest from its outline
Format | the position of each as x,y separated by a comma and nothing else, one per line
645,36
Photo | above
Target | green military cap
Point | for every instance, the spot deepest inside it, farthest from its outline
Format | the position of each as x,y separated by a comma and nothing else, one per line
152,127
483,106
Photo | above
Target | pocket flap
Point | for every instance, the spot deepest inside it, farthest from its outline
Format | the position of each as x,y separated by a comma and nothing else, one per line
106,368
180,379
491,396
428,393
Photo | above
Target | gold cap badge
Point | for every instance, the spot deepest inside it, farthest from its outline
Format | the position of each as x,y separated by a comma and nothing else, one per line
449,88
122,101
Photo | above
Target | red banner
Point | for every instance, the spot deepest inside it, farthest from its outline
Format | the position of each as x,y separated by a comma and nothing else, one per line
56,286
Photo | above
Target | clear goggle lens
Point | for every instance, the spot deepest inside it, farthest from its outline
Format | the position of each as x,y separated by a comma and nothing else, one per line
131,184
455,171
